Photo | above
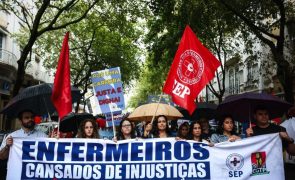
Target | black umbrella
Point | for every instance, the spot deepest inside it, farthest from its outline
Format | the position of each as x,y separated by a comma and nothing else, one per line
242,106
72,121
184,112
203,110
36,98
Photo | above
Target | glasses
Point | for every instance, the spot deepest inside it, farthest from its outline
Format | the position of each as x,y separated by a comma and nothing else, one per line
126,125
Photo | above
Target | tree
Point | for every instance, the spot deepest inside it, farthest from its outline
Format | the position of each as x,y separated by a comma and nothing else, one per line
102,40
209,21
41,17
267,20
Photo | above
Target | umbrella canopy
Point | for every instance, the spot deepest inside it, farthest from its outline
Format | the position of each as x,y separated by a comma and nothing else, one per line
184,112
36,98
203,110
72,121
242,106
146,112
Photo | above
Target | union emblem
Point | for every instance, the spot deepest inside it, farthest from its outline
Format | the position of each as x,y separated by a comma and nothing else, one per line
190,67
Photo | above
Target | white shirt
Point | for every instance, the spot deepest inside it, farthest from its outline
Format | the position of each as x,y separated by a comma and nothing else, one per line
289,124
22,133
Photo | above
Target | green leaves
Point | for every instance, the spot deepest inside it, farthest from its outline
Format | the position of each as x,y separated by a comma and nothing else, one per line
106,38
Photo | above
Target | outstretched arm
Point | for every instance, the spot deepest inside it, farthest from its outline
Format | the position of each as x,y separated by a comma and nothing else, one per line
5,150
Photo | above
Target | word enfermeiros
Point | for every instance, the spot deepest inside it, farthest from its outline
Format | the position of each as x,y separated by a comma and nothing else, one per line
143,160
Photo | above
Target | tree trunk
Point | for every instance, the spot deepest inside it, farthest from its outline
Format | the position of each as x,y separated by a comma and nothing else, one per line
286,79
20,76
284,74
77,106
21,66
220,99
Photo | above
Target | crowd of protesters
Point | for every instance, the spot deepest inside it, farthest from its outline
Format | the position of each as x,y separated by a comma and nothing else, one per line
198,130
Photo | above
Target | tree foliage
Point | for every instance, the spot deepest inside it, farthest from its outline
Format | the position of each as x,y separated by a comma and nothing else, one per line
213,25
39,17
108,37
268,20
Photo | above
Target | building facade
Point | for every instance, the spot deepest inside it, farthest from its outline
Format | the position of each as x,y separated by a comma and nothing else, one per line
255,73
10,52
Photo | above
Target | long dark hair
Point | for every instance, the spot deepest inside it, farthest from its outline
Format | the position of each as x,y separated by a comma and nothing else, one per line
120,135
81,133
220,125
191,129
179,132
155,126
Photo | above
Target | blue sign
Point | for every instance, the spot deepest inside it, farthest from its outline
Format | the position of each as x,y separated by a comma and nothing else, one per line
117,117
108,89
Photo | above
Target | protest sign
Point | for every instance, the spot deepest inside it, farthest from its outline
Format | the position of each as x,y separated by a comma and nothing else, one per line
117,118
108,89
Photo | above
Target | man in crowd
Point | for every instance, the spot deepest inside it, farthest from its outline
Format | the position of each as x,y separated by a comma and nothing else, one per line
26,119
264,127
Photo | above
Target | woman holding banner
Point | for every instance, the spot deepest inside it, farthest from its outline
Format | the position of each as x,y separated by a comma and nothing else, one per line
159,129
225,130
195,132
88,129
126,131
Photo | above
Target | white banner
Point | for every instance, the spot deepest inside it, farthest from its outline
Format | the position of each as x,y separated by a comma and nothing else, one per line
258,157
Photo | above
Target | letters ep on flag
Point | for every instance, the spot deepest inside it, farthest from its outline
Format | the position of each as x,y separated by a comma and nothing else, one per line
192,68
61,93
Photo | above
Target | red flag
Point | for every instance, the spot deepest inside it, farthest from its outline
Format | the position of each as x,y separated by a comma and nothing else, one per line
61,93
192,68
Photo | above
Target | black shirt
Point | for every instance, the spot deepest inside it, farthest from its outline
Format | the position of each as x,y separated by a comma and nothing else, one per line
272,128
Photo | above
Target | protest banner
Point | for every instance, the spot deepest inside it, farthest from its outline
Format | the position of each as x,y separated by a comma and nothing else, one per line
257,157
108,89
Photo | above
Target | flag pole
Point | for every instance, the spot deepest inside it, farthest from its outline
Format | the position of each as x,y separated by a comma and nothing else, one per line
112,115
58,128
157,108
155,111
114,128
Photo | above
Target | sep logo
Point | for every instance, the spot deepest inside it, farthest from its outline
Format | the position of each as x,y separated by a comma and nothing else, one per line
258,160
190,67
235,162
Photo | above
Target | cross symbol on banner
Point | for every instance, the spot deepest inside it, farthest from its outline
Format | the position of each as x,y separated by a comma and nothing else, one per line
235,162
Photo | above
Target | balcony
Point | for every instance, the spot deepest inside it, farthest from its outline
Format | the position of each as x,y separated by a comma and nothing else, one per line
231,91
251,84
8,58
38,75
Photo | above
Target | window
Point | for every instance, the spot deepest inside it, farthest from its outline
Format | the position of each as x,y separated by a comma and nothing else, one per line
234,80
250,71
251,68
231,81
237,80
